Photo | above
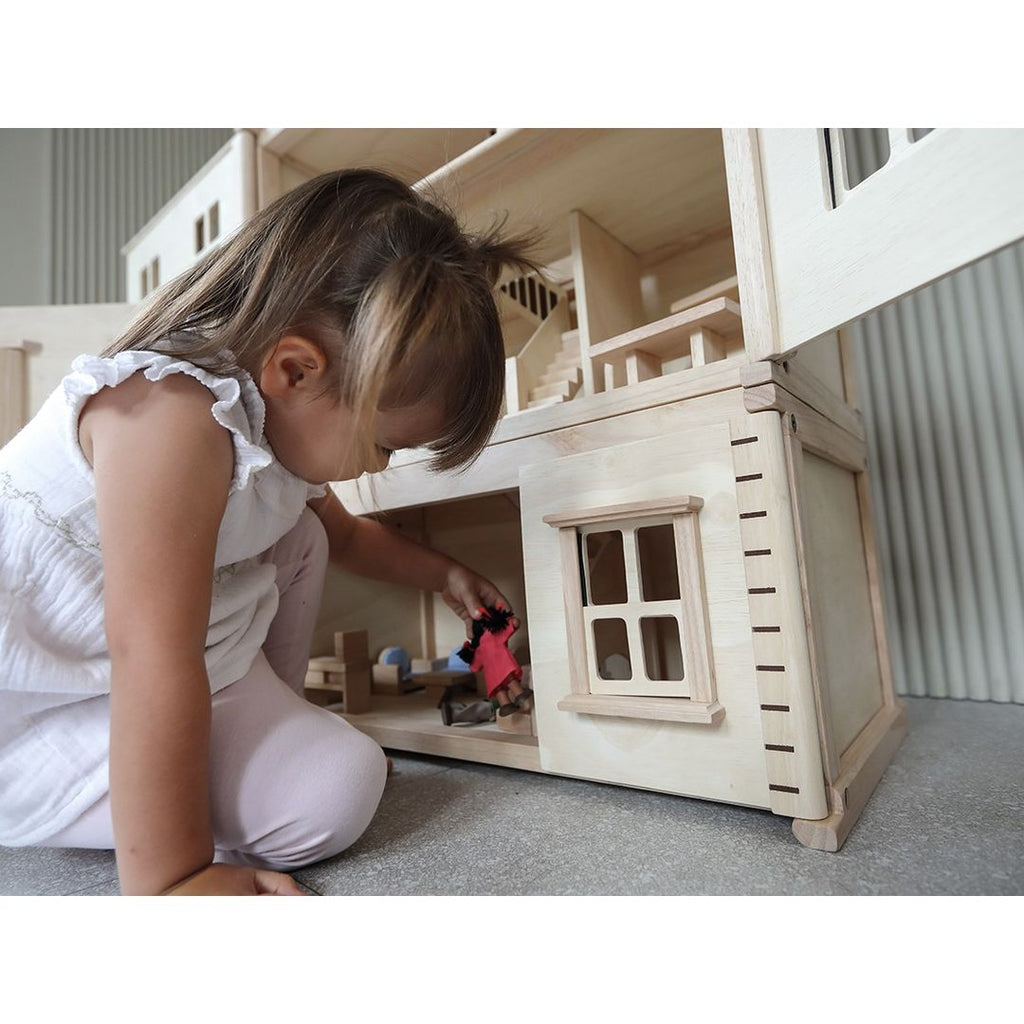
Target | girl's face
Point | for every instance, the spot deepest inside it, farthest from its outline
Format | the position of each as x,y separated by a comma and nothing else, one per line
311,435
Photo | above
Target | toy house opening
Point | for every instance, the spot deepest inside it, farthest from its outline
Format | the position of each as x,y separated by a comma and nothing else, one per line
418,631
639,272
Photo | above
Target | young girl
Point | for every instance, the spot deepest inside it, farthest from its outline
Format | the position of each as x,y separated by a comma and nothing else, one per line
164,532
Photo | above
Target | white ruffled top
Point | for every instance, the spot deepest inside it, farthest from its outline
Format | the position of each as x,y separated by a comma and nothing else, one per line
54,662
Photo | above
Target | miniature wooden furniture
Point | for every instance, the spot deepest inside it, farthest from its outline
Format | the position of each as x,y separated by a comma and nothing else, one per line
390,680
443,680
330,681
421,665
352,646
345,678
391,673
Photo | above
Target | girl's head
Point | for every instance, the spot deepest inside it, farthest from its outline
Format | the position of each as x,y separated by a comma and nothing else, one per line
352,294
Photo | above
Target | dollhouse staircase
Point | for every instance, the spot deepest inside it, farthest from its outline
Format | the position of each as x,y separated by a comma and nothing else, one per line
547,369
563,377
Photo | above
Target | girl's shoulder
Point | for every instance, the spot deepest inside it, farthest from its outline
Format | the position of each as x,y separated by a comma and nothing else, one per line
140,389
138,405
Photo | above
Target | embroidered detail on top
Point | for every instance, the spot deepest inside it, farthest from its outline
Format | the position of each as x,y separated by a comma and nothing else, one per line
11,493
227,571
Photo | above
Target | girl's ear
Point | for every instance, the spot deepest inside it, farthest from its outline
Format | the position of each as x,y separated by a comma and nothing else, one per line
294,367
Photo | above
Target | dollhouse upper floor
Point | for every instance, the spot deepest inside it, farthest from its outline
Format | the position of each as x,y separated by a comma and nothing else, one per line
639,300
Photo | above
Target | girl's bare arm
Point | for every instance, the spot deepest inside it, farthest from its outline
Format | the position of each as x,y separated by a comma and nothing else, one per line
163,467
372,549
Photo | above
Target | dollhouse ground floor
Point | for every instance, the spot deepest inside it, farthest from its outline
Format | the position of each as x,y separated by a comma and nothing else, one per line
697,590
944,820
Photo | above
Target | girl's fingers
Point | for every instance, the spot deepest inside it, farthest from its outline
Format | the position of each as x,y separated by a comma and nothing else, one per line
468,595
273,883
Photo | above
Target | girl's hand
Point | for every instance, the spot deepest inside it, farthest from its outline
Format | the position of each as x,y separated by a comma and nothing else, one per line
229,880
465,593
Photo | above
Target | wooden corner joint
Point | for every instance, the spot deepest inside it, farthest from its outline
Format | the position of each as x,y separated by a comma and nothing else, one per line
775,384
860,769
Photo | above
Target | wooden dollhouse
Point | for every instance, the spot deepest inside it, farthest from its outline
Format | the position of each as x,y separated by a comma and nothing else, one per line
676,499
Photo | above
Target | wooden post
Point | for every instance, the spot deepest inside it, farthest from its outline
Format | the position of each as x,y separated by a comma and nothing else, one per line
13,393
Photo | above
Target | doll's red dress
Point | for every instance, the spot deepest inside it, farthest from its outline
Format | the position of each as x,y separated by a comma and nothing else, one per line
495,660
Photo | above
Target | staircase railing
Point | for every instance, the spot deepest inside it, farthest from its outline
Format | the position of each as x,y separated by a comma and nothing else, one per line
522,371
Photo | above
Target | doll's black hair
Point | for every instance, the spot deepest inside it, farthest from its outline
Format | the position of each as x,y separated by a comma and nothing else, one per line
494,621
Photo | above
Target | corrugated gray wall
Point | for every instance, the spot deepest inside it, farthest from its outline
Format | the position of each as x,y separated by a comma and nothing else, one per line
941,387
106,183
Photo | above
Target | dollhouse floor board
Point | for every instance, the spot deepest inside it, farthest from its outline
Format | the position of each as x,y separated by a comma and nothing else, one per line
945,820
412,723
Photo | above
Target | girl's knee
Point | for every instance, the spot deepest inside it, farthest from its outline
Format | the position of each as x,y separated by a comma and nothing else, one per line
351,796
334,806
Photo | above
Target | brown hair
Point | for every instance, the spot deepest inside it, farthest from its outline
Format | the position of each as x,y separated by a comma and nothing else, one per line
383,279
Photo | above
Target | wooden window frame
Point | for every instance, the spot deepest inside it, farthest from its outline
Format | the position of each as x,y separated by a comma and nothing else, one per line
700,705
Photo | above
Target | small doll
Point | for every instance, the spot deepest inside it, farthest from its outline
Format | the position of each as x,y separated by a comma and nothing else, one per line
488,651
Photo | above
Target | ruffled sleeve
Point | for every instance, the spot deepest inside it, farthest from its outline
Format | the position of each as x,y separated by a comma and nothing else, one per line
238,407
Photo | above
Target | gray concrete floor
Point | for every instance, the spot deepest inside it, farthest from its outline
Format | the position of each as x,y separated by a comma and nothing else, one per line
946,819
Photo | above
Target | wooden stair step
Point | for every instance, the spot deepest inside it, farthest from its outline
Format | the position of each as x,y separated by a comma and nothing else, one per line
563,389
555,375
540,403
565,361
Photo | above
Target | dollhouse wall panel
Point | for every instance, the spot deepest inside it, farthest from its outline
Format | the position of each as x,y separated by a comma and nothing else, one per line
722,761
389,613
684,271
227,181
832,263
546,434
783,668
824,359
292,177
840,599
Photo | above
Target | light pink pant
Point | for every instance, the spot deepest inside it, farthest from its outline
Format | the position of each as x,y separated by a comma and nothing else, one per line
290,783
